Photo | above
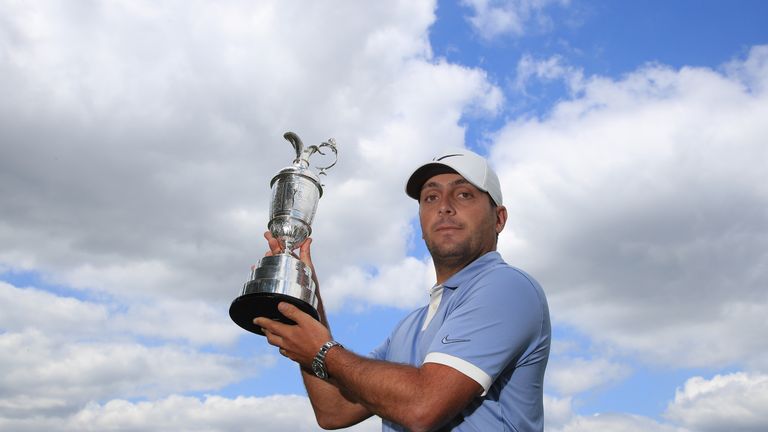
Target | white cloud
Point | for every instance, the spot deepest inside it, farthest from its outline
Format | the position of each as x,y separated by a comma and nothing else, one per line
59,353
551,69
639,204
615,423
42,375
734,402
751,71
70,319
493,18
192,321
137,162
212,414
31,308
570,376
402,285
557,412
139,140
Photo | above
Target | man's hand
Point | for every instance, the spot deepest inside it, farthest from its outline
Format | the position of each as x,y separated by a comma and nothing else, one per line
274,244
299,342
302,341
305,254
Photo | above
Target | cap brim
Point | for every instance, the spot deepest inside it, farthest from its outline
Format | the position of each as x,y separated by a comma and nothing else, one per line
424,173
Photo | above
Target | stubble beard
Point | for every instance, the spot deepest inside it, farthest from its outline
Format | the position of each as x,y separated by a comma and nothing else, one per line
452,255
455,254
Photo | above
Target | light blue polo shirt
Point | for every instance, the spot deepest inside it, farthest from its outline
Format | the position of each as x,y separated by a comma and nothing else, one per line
492,324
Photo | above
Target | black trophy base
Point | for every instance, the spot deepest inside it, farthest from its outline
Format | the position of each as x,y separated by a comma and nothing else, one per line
247,307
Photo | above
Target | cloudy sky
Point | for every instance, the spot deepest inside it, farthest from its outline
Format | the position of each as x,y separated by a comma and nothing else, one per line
138,139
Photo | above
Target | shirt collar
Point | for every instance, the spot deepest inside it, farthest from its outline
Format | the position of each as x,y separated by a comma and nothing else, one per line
472,269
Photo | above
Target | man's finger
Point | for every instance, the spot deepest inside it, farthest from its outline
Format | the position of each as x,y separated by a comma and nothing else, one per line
274,244
305,253
268,325
292,312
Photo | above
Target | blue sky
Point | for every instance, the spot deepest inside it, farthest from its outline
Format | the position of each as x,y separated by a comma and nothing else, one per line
137,141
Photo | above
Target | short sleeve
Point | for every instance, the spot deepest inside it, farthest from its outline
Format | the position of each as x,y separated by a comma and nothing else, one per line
380,352
494,321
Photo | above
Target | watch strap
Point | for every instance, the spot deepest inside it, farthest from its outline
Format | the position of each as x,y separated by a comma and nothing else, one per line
320,356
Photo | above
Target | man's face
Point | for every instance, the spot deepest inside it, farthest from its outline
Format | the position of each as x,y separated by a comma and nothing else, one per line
458,222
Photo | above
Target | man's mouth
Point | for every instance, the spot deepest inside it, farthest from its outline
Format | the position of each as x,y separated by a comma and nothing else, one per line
446,227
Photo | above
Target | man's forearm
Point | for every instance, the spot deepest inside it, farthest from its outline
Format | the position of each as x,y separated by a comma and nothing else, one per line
332,409
401,393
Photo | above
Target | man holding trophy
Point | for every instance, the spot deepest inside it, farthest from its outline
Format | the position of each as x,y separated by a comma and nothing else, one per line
471,360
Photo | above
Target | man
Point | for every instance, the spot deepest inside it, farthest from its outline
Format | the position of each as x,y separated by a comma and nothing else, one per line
471,360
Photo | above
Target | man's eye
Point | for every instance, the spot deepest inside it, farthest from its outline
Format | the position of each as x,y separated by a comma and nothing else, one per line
464,195
430,198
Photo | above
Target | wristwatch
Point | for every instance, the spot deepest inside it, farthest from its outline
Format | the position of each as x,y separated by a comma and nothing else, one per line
318,363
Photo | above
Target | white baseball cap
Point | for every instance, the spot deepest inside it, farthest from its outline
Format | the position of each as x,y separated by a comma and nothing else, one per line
473,167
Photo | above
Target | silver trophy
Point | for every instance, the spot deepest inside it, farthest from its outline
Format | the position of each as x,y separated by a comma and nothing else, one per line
283,277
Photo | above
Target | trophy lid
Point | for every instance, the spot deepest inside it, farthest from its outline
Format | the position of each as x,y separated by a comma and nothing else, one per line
300,165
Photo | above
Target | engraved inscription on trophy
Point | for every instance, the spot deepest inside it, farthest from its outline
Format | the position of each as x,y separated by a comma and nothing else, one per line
296,191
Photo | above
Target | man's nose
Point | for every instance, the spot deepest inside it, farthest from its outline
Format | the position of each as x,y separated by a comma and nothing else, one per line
446,207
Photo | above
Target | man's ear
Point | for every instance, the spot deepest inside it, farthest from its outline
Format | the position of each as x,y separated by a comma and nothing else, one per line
501,218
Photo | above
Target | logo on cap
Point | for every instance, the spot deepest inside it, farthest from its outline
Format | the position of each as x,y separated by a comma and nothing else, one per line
447,156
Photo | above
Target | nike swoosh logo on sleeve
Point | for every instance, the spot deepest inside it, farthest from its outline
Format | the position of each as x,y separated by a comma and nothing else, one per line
446,340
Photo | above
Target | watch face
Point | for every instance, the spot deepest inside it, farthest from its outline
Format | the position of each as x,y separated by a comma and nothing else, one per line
318,369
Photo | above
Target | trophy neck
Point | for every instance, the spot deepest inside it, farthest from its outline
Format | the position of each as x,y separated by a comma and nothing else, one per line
288,249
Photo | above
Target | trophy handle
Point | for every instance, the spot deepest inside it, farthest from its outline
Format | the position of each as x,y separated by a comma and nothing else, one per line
303,154
297,145
331,143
